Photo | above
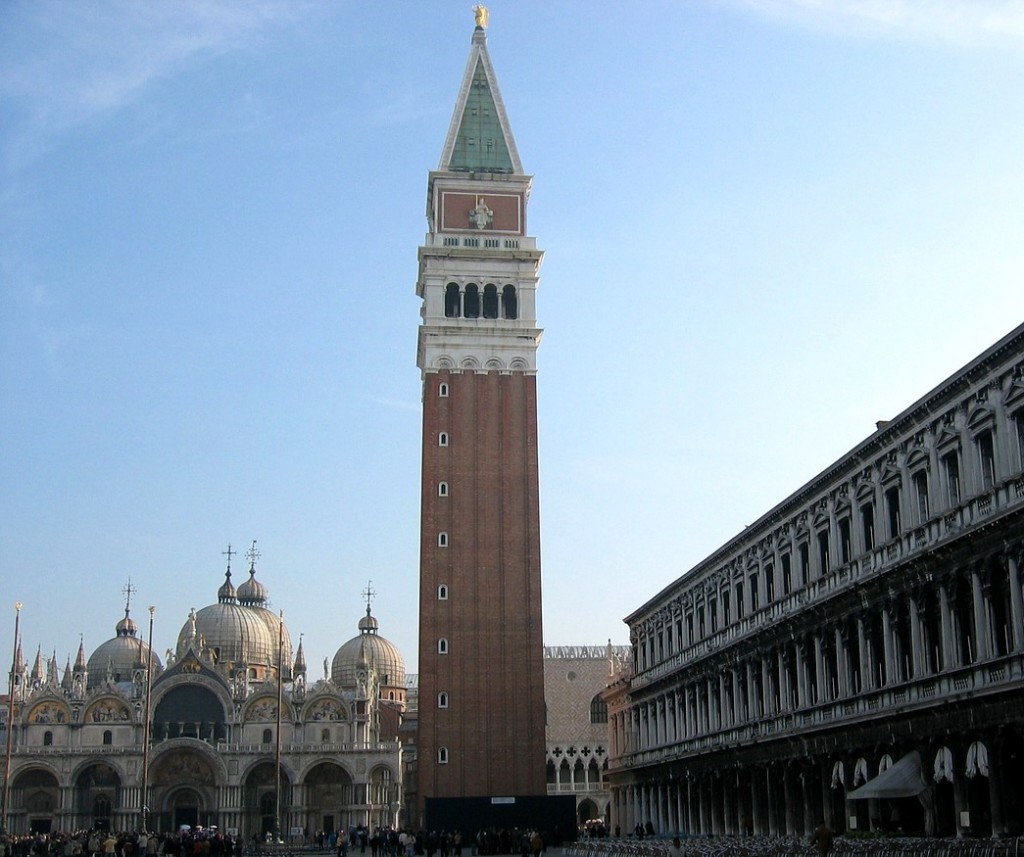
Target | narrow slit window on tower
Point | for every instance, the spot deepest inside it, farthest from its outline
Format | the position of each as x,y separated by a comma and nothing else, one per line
442,699
442,489
442,755
509,303
442,438
442,592
442,390
442,646
442,540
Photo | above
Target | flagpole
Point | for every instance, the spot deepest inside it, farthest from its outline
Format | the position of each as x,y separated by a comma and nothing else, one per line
146,727
10,719
280,702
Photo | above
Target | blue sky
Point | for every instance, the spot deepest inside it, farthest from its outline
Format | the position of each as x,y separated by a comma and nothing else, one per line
767,225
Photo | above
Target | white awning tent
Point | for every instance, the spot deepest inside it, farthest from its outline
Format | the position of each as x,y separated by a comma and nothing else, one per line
904,779
860,772
943,765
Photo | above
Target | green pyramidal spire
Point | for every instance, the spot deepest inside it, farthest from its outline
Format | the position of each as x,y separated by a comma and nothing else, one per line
479,138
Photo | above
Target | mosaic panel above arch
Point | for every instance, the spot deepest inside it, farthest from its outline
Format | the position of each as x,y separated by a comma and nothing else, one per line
108,711
50,712
325,709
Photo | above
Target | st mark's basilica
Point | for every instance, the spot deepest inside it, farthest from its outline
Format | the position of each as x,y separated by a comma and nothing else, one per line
230,710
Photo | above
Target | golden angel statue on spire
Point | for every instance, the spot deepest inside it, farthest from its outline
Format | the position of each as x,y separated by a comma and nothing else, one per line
481,16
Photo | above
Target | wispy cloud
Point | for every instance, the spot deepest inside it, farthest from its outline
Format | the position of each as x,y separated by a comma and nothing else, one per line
396,404
62,65
955,22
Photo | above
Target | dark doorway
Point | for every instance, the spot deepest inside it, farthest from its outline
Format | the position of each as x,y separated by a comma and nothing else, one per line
185,815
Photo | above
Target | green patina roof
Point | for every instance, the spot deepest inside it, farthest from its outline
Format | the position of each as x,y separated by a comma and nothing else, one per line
480,144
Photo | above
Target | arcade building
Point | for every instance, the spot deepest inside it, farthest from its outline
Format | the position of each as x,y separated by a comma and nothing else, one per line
856,655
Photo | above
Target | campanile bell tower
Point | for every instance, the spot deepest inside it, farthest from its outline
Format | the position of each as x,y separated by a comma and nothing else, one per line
481,675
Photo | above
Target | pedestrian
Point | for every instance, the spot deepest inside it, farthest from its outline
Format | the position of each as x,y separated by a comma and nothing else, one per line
821,840
537,844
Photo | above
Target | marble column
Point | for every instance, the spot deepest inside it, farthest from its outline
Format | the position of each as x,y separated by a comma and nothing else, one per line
842,664
949,655
771,803
756,804
890,664
982,650
819,670
1016,602
917,659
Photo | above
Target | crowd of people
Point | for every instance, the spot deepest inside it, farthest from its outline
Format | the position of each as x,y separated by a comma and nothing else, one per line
391,842
209,842
199,842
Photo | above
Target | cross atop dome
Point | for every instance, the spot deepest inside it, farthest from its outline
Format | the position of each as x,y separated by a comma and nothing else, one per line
368,594
252,555
128,591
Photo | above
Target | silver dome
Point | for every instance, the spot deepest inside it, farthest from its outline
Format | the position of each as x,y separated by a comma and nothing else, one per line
374,651
120,656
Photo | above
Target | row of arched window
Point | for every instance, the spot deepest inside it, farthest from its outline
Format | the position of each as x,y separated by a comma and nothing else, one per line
108,738
470,301
935,480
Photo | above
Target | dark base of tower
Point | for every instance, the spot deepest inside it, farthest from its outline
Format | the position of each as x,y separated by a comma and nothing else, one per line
554,816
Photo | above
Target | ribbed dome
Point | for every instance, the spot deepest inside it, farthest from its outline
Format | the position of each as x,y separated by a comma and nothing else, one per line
120,655
127,626
374,651
238,629
227,593
278,630
252,593
234,633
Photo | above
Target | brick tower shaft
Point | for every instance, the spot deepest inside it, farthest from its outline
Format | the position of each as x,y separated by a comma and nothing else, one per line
481,676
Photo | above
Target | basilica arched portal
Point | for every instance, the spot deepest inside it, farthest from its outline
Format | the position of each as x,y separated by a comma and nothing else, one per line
36,793
97,793
263,812
184,789
329,791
